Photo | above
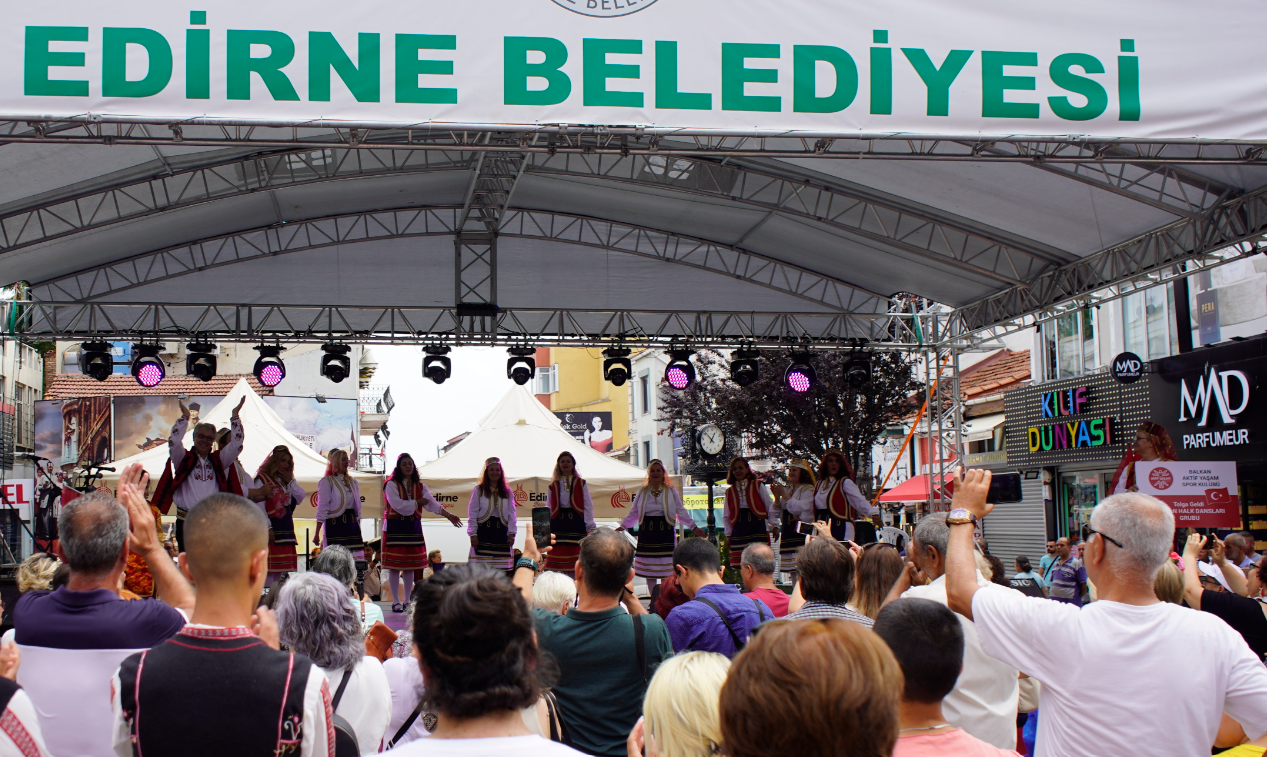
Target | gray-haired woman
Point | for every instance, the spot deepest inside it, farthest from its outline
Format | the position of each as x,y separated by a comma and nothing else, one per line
338,562
317,617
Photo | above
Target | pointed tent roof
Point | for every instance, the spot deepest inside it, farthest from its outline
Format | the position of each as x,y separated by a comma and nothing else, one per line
263,430
528,438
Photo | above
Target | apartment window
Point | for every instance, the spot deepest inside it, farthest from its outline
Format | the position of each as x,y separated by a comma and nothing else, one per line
1068,345
1146,323
646,452
644,391
547,381
24,403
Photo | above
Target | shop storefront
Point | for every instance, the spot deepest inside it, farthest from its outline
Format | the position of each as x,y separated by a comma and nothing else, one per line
1067,438
1211,402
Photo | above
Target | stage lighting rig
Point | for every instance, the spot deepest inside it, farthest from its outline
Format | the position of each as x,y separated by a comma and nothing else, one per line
800,376
679,373
269,368
616,366
744,369
522,365
147,369
335,363
199,360
436,365
858,371
95,360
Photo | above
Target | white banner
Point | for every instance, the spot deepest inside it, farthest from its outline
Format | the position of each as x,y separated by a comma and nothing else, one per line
19,492
1161,69
1202,494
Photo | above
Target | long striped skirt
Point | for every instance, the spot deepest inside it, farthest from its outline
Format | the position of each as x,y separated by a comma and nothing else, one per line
568,528
404,547
344,530
747,529
281,553
789,541
493,547
653,557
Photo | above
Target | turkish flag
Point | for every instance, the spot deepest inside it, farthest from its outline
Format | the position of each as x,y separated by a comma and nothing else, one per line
1218,497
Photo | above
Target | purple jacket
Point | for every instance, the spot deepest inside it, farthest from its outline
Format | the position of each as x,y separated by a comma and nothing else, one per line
696,627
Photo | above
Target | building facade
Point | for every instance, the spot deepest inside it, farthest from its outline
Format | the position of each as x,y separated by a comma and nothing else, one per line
569,382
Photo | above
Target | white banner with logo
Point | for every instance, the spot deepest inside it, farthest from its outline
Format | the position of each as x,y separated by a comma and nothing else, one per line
20,493
1161,69
1202,495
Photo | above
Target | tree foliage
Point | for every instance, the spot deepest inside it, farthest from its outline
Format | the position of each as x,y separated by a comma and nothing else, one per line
780,424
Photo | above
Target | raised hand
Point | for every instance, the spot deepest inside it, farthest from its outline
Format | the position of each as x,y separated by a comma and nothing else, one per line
184,411
238,409
971,489
10,658
143,536
264,624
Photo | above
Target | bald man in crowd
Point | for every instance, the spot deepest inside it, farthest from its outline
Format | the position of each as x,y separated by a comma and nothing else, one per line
757,568
224,667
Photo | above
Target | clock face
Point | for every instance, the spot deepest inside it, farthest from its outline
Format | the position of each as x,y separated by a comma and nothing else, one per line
711,439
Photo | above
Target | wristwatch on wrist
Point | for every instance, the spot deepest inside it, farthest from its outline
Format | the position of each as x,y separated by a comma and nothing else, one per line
959,516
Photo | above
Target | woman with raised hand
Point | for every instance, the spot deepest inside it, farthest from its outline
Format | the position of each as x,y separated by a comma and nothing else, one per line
795,505
282,494
404,547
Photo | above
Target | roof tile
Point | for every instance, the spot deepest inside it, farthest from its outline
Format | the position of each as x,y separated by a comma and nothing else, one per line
70,385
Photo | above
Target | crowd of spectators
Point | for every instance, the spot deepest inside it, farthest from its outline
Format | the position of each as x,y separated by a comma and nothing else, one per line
873,653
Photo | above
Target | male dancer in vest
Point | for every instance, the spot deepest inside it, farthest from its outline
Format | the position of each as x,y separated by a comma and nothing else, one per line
220,686
194,474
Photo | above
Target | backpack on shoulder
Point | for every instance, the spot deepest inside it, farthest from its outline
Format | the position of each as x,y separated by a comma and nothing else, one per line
345,743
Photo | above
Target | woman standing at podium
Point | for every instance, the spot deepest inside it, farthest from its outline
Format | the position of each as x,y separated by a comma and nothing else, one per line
491,519
654,504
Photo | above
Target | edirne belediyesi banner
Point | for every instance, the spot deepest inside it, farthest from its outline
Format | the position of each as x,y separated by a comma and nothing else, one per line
987,67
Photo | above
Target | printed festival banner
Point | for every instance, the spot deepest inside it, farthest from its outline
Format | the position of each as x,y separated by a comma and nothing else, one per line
1201,494
1161,69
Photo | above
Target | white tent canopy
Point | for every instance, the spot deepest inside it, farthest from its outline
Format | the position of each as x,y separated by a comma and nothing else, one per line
528,438
263,430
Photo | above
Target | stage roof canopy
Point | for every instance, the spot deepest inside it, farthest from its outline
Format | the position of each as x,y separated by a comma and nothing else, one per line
492,221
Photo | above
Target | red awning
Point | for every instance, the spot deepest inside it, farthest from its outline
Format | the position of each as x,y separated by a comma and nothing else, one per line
915,489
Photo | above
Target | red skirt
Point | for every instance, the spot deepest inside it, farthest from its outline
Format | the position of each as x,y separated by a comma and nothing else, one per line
403,545
568,528
282,558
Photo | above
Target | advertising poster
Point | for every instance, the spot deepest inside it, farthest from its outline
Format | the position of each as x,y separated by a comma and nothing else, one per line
68,431
1201,494
593,429
145,422
323,426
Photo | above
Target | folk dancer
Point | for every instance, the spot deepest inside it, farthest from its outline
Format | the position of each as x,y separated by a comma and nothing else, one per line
837,498
571,514
796,505
650,512
404,547
749,512
192,475
491,520
339,506
223,438
282,494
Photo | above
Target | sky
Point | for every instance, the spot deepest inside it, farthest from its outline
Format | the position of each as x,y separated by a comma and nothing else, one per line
427,415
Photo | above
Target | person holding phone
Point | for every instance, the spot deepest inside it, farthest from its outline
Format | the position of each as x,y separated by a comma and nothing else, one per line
571,514
795,505
837,498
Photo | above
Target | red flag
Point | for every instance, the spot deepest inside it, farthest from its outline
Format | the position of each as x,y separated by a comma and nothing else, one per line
1217,497
69,494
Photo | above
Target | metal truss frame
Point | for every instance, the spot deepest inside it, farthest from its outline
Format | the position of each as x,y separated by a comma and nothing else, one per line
602,139
1235,228
123,321
114,278
943,419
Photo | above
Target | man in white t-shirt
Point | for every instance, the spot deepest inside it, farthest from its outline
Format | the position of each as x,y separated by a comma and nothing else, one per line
1128,674
984,699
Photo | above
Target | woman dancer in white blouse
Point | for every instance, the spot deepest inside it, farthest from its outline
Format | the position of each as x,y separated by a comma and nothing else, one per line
837,498
654,504
491,520
404,548
339,506
282,494
796,505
